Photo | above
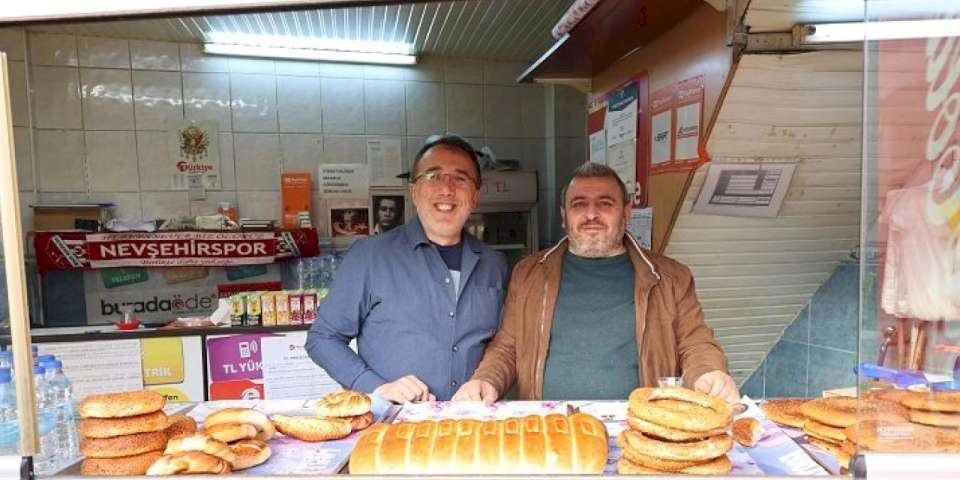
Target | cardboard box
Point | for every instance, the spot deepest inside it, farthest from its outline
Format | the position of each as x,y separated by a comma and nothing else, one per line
70,216
295,188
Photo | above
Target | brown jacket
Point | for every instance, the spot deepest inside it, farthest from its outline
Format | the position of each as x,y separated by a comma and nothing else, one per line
672,338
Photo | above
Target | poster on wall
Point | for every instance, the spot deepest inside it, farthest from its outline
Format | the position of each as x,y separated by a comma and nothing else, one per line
661,126
598,147
348,222
388,212
641,226
744,189
620,124
621,120
676,127
385,157
596,112
689,119
617,125
194,148
346,180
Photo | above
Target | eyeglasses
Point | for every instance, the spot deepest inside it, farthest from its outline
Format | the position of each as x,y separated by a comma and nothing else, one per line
436,177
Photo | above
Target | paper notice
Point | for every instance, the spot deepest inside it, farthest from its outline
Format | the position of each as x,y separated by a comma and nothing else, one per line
83,363
621,119
660,137
288,372
641,226
744,189
688,131
622,157
385,157
347,180
689,106
598,147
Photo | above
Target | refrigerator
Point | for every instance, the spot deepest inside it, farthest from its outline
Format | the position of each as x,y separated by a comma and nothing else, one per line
506,216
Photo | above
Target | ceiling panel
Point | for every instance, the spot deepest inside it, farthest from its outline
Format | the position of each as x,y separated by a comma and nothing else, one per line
494,29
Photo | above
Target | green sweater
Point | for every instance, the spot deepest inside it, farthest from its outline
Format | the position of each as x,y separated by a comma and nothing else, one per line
593,342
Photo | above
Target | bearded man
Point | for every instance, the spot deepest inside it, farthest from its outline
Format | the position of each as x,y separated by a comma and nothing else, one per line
596,316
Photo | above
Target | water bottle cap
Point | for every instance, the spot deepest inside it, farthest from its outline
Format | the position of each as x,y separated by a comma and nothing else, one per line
34,348
57,364
5,376
38,370
46,363
6,354
44,358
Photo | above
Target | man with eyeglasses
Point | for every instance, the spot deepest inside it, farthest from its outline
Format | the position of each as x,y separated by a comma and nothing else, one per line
421,300
596,316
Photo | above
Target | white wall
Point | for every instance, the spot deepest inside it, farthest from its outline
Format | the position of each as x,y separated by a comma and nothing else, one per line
98,109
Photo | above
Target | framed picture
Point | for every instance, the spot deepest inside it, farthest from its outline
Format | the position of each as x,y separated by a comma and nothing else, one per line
349,222
388,212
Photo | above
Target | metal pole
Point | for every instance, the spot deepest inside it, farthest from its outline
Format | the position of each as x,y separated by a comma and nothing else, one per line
13,258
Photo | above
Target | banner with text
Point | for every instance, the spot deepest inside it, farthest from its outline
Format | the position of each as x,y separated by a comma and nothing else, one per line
76,250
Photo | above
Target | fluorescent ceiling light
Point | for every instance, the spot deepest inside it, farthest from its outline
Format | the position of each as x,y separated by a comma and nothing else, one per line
886,30
322,49
309,42
309,54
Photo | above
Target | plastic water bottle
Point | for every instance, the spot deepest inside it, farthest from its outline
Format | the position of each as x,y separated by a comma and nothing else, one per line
9,428
46,462
61,392
6,360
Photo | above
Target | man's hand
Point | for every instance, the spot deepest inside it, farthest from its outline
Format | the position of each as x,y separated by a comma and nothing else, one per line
405,389
718,384
477,390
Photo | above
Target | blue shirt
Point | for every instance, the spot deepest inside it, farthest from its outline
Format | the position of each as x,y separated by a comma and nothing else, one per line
395,295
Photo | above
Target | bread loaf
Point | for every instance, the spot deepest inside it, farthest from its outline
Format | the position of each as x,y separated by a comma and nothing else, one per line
531,445
124,445
121,404
188,462
120,466
747,431
250,453
115,427
264,427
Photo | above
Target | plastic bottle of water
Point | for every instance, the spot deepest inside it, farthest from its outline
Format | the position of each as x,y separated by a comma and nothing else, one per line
6,360
9,428
61,392
46,462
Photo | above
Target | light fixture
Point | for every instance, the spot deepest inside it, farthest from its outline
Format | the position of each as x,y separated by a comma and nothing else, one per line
305,48
884,30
